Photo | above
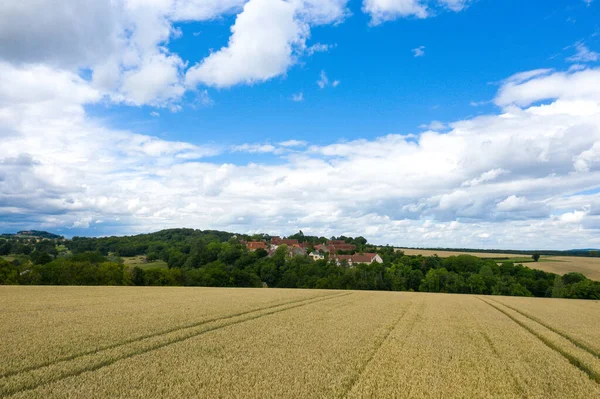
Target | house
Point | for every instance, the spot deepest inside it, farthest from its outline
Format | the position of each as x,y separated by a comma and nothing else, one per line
254,245
277,241
339,245
333,246
294,251
316,255
364,258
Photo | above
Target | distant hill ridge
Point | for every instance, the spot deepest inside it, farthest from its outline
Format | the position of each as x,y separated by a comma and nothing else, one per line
34,233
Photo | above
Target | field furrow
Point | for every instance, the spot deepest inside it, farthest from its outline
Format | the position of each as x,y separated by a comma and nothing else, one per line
461,349
261,343
576,320
101,318
59,370
295,352
578,357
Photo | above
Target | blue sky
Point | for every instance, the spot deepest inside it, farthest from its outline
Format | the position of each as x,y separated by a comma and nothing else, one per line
449,123
384,88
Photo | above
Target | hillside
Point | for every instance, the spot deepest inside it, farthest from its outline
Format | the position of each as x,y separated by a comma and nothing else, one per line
187,257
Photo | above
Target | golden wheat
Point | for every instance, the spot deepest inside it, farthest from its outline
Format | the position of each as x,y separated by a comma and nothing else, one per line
256,343
589,267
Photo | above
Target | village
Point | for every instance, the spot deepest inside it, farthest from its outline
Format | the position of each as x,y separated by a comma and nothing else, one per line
336,250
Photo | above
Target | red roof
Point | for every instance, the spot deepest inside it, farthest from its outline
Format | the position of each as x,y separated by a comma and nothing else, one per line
254,245
363,258
356,258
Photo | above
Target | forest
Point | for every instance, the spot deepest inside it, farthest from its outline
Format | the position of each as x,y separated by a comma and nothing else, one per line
220,259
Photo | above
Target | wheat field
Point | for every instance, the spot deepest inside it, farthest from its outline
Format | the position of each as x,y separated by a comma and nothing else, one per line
146,342
589,267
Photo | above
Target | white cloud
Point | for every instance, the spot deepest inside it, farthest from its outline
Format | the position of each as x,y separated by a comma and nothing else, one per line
263,40
583,54
530,87
123,44
455,5
485,177
387,10
298,97
266,39
434,125
254,148
293,143
419,51
324,81
319,48
511,179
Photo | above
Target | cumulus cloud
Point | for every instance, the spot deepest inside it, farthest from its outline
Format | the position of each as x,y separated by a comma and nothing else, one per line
540,85
502,180
266,39
526,176
124,44
388,10
263,40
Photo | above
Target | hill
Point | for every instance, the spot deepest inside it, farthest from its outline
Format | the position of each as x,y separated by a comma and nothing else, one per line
34,234
187,257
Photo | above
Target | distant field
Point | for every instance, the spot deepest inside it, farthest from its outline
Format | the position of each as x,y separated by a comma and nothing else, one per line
140,261
125,342
445,254
589,267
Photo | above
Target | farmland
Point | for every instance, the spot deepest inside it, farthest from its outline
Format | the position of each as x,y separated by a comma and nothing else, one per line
589,267
98,342
142,263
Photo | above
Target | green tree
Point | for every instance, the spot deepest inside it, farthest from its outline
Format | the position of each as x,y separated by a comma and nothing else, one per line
557,289
9,274
535,257
476,284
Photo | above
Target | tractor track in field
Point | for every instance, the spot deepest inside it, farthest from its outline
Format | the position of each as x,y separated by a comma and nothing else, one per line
380,344
498,355
147,336
575,342
574,360
8,389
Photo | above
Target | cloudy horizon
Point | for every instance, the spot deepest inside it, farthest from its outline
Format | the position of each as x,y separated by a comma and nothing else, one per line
128,117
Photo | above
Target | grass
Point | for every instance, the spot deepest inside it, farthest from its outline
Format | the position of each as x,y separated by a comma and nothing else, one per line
98,342
589,267
8,258
142,263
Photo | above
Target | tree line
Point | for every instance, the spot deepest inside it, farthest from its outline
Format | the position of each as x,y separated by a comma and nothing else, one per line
219,259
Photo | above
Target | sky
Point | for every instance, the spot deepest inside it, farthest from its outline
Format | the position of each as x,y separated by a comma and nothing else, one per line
421,123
